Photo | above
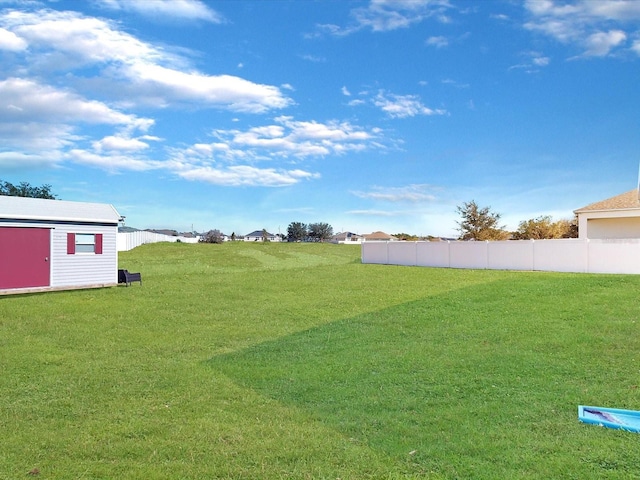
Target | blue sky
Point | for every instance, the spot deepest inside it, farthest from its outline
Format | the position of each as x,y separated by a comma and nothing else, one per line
368,115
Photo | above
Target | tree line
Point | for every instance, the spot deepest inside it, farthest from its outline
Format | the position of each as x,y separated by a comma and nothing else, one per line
483,224
296,232
25,189
476,223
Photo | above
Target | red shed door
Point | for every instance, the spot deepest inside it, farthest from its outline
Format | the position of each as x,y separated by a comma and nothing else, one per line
24,257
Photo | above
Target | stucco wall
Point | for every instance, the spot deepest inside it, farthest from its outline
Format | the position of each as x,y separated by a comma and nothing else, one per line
628,227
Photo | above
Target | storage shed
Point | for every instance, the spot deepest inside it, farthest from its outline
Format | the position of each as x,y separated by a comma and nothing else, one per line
56,245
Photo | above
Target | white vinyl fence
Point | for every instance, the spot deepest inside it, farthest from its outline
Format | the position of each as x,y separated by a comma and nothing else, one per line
130,240
564,255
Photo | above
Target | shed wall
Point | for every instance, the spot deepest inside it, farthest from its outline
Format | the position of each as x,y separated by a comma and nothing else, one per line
84,268
80,269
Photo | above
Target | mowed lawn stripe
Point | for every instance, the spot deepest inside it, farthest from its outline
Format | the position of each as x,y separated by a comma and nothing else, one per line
297,361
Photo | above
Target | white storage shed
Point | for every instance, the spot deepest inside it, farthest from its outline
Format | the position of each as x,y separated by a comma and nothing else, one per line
56,245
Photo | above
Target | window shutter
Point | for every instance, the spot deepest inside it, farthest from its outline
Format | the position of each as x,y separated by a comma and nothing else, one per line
98,249
71,243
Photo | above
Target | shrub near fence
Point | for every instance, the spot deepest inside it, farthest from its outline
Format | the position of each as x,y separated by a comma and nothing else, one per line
563,255
130,240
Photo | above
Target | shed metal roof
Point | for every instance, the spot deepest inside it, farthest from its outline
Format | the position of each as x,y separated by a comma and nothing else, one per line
39,209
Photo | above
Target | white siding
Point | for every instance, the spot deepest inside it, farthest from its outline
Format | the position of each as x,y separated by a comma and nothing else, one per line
83,268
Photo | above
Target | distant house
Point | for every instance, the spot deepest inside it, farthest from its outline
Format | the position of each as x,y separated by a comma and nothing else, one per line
615,217
56,245
379,237
261,235
346,237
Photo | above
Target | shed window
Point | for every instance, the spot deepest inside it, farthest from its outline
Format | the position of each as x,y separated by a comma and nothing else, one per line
84,243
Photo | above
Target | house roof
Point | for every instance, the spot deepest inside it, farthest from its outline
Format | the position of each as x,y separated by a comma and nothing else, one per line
344,236
258,233
378,236
625,201
40,209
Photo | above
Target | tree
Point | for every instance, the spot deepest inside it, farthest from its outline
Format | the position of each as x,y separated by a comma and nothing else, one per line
479,223
212,236
544,228
25,189
572,228
406,237
319,232
296,232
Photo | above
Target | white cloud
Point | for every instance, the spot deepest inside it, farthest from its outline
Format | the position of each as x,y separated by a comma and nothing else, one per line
113,142
85,40
587,24
10,41
146,74
403,106
288,138
112,163
225,91
532,62
11,160
384,15
346,92
172,9
387,15
454,83
415,193
600,44
373,213
541,61
438,42
244,175
26,101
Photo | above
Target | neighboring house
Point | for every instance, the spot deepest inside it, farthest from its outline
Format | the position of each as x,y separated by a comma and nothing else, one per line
56,245
615,217
379,237
260,235
346,237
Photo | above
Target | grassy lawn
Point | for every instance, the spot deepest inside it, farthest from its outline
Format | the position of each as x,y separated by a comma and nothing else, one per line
296,361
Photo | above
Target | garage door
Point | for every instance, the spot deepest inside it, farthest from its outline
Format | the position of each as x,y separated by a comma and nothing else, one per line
24,257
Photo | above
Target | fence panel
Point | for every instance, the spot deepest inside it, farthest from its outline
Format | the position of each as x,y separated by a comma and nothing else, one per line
563,255
468,255
130,240
432,254
400,253
510,255
614,256
375,252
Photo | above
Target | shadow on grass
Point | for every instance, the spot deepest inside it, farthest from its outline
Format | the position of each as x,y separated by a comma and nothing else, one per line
482,382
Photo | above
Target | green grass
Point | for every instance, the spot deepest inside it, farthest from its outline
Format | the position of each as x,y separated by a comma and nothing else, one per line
297,361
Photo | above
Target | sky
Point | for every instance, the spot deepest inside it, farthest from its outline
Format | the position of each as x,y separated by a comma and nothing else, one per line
243,115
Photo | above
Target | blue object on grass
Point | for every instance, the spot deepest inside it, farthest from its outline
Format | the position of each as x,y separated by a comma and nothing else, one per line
628,420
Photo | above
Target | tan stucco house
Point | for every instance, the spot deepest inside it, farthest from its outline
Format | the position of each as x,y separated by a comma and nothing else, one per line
615,217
